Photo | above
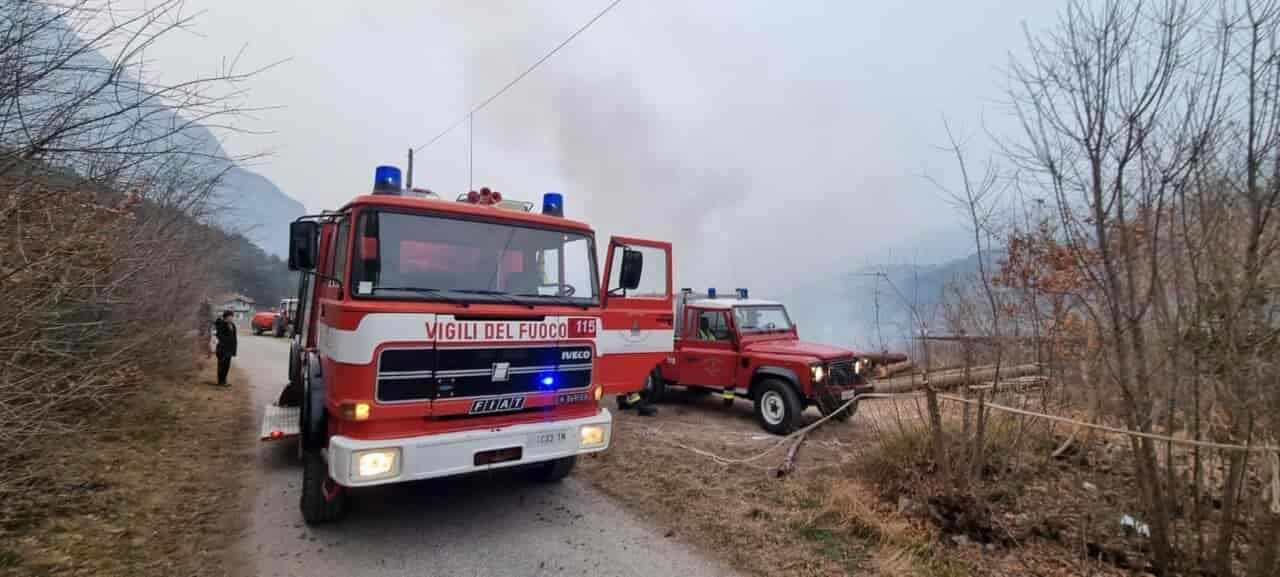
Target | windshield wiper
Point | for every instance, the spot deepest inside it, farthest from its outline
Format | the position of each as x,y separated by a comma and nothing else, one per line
506,297
430,291
567,300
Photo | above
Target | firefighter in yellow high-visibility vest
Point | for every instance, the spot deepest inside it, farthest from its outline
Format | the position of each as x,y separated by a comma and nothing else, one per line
644,399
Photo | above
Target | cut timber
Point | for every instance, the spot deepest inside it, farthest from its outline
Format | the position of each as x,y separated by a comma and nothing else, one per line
1023,383
953,378
280,422
879,359
894,369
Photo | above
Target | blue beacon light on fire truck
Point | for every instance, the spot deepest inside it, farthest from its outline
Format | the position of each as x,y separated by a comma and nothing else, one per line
553,204
386,180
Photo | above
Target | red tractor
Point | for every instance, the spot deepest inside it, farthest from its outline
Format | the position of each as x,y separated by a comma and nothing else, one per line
439,338
741,347
263,322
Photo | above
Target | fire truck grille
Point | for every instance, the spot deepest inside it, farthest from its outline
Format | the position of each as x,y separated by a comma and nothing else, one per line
406,375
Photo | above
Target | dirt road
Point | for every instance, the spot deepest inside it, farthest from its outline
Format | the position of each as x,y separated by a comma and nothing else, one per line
482,525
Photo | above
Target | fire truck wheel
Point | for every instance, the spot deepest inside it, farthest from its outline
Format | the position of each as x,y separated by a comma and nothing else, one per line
778,407
322,499
553,471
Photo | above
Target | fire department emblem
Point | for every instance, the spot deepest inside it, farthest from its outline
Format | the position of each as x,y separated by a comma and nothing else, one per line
635,335
501,372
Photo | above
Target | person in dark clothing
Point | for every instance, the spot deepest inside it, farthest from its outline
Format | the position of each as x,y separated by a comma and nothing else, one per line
225,331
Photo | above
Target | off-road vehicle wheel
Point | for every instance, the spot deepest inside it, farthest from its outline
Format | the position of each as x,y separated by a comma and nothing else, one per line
827,404
553,471
322,499
778,407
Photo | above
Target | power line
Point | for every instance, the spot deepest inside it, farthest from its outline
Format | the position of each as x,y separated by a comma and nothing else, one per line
521,76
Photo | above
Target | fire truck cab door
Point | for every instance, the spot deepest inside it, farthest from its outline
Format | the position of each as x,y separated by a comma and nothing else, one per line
636,324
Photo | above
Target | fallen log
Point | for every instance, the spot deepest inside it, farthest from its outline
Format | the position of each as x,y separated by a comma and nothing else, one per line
879,359
889,370
914,381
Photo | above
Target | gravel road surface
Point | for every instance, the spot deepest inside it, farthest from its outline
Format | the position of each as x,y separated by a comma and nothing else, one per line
481,525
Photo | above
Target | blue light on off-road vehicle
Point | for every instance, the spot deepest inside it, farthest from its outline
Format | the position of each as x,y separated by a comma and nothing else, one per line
548,381
711,293
386,180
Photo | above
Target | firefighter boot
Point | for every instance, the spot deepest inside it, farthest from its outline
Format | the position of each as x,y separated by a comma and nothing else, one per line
647,409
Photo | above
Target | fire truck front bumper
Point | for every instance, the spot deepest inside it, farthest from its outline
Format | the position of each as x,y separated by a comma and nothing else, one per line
361,463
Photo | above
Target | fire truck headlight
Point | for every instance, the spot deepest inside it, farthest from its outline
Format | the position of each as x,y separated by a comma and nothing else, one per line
591,436
375,464
818,372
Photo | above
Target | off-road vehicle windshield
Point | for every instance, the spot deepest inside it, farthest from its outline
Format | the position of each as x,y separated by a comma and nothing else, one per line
761,318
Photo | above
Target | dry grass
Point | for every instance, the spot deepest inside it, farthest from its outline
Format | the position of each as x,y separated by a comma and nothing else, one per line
810,523
156,490
833,515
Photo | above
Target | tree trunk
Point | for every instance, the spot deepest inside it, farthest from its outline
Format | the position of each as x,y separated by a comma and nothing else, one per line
979,439
1227,530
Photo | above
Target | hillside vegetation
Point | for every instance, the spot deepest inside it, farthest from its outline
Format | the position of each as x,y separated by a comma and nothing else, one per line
108,247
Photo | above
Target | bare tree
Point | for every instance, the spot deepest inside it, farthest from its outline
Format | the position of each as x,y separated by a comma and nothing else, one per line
106,182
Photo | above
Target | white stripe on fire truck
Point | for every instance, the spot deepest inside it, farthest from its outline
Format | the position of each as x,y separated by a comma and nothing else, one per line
613,342
356,347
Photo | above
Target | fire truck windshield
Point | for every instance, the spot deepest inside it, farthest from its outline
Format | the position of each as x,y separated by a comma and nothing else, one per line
758,319
406,256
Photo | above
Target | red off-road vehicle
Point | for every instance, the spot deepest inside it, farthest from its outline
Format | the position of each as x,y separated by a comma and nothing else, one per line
746,347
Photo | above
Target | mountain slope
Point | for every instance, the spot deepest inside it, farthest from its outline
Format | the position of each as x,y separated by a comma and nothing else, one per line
871,305
121,117
258,209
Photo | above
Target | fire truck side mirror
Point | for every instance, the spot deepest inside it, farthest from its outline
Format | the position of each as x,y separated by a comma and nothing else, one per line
302,245
632,265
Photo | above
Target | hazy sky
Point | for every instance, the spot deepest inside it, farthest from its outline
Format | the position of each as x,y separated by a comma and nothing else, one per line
771,141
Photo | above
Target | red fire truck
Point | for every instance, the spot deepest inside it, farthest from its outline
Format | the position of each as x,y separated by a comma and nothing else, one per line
749,347
440,337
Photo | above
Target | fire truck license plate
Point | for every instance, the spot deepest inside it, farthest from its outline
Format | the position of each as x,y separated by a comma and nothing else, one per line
550,438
